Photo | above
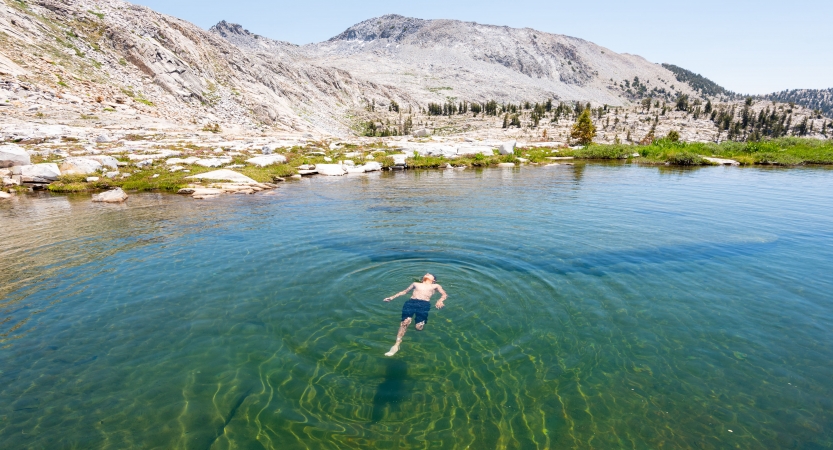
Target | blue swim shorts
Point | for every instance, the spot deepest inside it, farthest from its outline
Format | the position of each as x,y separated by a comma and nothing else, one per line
419,308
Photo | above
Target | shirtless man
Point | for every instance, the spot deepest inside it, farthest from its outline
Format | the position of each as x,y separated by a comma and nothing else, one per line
418,305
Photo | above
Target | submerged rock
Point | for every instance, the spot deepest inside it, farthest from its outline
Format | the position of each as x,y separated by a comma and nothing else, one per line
116,195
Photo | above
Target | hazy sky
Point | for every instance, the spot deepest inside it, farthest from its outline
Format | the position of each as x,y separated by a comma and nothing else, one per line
747,46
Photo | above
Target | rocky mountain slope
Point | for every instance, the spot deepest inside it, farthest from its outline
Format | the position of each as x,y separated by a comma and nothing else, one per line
820,100
110,61
438,59
108,64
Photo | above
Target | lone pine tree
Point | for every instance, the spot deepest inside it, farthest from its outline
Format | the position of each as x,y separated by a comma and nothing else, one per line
583,130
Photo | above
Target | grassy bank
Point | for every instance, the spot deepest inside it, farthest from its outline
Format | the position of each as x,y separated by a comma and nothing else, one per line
784,151
158,178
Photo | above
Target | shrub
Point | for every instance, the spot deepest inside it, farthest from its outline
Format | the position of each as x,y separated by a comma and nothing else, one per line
684,158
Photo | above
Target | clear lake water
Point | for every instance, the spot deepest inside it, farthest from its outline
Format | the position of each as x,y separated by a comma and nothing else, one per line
590,306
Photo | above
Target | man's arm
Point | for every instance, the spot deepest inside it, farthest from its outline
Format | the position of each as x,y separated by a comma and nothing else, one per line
400,293
440,303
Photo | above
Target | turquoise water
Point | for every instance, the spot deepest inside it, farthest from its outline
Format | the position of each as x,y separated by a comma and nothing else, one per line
598,306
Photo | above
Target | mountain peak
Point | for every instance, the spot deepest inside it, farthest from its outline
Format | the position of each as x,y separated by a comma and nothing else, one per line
226,29
390,26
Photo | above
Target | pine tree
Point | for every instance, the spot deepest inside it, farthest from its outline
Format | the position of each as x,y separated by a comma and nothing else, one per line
682,102
583,130
506,120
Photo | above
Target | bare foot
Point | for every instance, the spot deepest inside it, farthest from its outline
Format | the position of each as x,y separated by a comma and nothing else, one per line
392,351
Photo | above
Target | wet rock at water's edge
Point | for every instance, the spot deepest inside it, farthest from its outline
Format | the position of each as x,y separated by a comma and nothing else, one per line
13,155
116,195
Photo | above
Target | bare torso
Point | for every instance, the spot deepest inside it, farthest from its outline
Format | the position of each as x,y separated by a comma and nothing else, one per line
424,291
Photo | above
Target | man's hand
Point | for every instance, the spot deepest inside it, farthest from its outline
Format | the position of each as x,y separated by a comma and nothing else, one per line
387,299
440,304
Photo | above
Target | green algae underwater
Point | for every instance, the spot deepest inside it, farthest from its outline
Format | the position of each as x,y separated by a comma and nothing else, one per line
590,306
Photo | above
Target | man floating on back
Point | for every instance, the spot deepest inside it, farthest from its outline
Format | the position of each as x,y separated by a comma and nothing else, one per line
417,307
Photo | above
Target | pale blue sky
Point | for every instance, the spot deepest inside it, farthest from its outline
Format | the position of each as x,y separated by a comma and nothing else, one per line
746,46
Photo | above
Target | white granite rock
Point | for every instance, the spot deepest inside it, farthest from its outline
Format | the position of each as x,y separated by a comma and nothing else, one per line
37,173
225,175
178,161
725,162
116,195
13,155
212,162
372,166
507,148
466,150
79,166
330,169
267,160
106,161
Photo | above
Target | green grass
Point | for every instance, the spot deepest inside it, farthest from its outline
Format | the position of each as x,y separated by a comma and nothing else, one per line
784,151
267,174
167,181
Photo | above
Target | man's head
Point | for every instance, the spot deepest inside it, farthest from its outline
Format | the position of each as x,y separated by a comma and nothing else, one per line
428,278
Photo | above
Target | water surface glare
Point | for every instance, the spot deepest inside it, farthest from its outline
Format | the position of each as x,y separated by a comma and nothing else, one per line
590,306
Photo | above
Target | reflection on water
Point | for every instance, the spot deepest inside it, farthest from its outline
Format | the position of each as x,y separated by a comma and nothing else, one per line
590,306
392,391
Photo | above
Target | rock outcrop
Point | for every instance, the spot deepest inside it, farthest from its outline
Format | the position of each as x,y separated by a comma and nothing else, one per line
13,155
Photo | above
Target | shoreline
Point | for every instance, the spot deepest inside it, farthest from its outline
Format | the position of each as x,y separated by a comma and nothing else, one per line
143,165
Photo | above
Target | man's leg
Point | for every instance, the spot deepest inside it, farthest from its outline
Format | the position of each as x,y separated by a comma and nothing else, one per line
403,327
422,316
